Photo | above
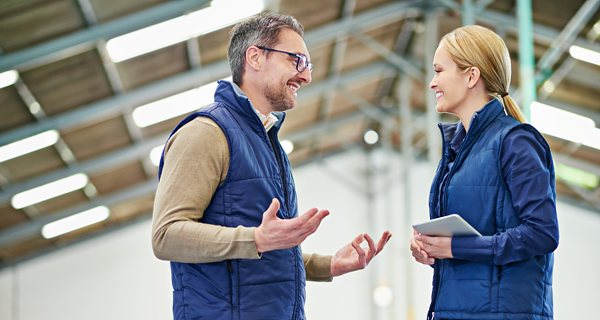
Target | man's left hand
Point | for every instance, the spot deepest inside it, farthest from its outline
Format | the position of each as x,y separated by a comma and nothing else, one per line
352,256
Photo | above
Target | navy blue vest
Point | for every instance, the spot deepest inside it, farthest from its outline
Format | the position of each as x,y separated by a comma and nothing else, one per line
476,190
272,287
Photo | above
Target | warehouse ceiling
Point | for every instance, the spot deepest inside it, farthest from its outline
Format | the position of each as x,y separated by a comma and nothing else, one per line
372,65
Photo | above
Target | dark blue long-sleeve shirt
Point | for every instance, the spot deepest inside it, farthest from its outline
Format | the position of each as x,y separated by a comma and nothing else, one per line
524,170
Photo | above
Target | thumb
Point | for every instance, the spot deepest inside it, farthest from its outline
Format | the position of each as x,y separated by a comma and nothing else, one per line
272,210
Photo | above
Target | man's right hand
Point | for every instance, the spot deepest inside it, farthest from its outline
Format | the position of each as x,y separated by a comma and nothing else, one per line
274,233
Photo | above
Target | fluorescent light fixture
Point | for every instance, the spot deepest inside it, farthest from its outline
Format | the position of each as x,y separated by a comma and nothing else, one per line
287,146
74,222
49,191
174,106
577,176
28,145
156,154
371,137
585,55
220,14
8,78
560,123
592,138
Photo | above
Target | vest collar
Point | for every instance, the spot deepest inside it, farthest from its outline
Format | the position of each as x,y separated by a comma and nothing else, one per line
235,99
481,119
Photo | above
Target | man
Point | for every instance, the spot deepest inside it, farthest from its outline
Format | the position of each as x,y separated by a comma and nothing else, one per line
221,167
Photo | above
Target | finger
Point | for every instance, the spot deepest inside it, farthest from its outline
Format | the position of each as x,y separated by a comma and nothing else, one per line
418,243
371,243
271,212
372,249
416,246
385,237
361,254
316,220
313,224
420,259
305,217
359,239
425,239
413,245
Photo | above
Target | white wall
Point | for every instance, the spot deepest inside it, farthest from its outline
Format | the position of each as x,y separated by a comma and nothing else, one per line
115,276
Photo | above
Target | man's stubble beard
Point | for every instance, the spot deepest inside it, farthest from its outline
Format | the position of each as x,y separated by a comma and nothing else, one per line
279,99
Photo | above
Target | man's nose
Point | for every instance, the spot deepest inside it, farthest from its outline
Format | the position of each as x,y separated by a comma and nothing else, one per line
305,76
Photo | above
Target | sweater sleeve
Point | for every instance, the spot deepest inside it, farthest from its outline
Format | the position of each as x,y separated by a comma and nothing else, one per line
318,267
196,162
526,169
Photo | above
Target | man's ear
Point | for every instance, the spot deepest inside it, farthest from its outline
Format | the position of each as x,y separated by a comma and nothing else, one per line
253,57
473,75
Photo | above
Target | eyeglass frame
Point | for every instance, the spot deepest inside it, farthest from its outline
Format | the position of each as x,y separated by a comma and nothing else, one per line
298,56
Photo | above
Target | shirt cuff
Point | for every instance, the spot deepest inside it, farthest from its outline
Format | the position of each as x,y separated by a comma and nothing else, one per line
247,244
478,249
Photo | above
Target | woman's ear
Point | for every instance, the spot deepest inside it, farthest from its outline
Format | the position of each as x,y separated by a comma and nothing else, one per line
473,75
253,55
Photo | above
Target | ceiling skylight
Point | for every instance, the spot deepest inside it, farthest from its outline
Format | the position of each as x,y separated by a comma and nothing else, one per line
220,14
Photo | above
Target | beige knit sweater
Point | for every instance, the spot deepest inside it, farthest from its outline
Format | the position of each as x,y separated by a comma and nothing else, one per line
196,162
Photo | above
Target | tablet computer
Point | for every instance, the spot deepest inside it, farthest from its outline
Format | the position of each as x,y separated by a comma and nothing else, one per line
451,225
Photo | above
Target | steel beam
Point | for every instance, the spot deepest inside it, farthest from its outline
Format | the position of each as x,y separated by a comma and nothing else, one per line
119,104
565,38
64,46
142,148
396,60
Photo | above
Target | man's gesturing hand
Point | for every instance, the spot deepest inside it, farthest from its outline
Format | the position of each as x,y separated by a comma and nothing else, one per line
352,256
274,233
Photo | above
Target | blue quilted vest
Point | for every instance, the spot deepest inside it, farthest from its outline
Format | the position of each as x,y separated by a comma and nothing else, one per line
476,190
272,287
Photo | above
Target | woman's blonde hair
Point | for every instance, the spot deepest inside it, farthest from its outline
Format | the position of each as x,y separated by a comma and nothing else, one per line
477,46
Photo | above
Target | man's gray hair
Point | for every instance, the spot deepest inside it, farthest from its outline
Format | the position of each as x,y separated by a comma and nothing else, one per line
259,30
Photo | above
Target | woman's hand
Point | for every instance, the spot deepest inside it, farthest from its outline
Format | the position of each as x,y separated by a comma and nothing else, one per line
435,247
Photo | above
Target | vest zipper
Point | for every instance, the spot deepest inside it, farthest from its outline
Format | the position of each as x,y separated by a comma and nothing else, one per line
230,269
466,144
233,293
296,302
436,196
281,171
444,200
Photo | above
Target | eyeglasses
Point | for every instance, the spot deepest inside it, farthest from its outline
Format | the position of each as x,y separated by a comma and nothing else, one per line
301,61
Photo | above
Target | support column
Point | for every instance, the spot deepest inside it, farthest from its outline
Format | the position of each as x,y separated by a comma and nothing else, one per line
404,223
468,12
431,42
526,56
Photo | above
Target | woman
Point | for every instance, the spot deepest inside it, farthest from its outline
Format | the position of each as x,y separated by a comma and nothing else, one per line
497,173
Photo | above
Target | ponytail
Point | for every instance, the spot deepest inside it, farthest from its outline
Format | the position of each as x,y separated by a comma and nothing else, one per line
513,109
